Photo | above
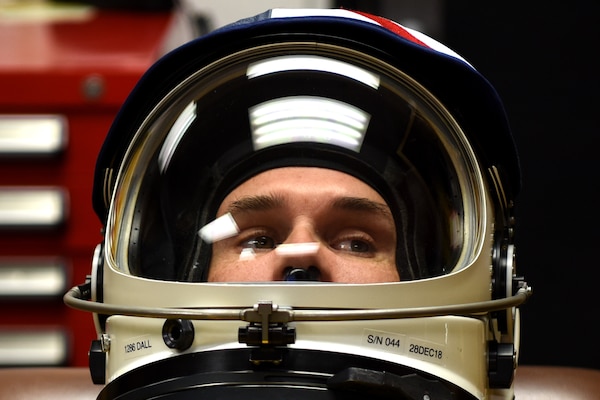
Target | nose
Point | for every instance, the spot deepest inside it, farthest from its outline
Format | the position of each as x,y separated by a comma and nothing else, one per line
300,257
299,261
295,274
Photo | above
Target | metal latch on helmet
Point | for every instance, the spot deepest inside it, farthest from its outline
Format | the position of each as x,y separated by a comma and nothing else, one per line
267,327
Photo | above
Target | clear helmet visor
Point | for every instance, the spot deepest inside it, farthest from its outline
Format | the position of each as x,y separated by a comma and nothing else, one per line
261,109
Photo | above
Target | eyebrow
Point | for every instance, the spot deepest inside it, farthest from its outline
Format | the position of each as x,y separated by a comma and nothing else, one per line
270,202
256,203
362,204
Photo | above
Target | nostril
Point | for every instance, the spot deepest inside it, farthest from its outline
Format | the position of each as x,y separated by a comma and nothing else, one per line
295,274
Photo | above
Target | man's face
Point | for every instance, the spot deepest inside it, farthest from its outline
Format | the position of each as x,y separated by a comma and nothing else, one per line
301,217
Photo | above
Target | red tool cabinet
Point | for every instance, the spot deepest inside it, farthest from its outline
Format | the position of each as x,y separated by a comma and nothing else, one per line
62,81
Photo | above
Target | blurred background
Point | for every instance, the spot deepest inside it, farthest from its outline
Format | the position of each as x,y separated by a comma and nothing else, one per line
65,69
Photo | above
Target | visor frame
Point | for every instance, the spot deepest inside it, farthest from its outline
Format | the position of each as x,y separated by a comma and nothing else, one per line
131,180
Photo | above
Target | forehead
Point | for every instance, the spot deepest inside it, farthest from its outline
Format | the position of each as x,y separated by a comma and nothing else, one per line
304,182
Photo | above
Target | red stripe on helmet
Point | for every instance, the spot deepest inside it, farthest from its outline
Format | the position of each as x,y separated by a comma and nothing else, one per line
392,26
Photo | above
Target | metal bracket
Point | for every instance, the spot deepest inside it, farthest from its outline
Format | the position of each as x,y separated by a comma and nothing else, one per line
267,326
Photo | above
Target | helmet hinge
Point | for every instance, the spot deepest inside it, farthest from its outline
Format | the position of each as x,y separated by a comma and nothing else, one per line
502,364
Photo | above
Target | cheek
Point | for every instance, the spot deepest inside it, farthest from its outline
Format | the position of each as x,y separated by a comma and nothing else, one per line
365,273
229,268
222,264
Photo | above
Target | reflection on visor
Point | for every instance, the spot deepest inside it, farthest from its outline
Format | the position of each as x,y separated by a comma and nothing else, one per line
297,249
284,250
225,227
312,63
221,228
308,119
181,125
247,254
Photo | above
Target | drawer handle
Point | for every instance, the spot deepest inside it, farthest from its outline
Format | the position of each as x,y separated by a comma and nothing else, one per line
33,207
33,347
32,135
26,277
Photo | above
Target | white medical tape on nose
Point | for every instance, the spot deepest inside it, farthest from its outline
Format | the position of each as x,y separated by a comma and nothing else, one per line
297,249
219,229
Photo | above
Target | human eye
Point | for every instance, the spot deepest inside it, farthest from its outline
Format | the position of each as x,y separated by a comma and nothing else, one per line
356,245
259,242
